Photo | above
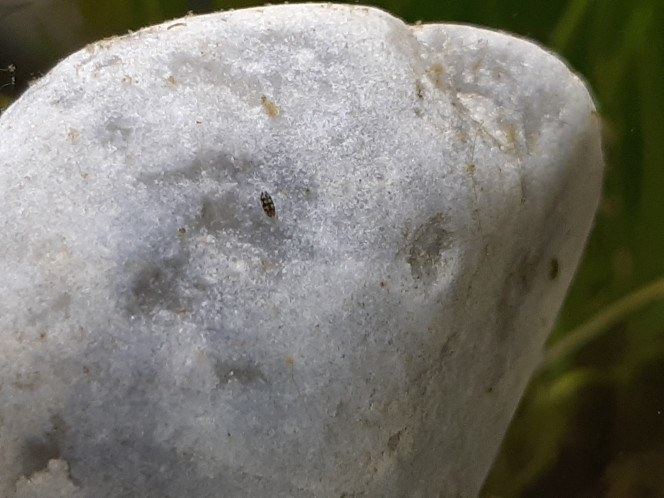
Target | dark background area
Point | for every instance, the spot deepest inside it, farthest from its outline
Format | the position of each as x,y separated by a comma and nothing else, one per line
592,421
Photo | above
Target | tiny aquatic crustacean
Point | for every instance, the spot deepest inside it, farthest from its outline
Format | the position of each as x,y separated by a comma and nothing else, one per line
268,204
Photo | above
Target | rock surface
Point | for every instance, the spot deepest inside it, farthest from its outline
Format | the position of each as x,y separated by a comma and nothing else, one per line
163,332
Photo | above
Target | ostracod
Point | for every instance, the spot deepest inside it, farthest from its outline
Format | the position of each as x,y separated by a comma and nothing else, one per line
268,204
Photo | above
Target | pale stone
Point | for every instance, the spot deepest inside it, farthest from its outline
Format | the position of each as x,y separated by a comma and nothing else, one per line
160,335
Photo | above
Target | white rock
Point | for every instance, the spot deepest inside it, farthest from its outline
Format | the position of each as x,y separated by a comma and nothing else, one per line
162,336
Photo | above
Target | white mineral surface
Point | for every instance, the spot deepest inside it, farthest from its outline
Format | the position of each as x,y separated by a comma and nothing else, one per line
162,336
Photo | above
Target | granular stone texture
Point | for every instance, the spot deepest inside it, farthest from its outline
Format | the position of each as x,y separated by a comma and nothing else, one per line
292,251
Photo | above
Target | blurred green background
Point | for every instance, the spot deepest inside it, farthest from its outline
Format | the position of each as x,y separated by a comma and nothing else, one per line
592,421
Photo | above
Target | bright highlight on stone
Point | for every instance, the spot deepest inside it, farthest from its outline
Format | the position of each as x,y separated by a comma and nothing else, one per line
292,251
